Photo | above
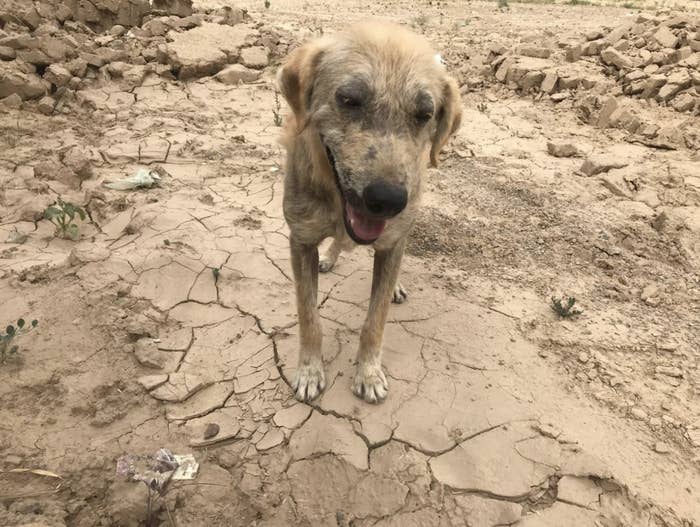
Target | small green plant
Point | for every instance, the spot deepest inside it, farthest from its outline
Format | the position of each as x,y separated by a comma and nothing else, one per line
503,4
276,115
579,2
216,271
565,307
62,214
267,4
7,347
482,107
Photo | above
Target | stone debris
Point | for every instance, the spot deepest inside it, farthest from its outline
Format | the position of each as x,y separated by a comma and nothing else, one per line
126,41
563,150
649,58
600,163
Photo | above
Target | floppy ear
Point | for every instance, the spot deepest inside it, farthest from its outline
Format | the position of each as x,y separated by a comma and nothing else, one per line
448,119
295,79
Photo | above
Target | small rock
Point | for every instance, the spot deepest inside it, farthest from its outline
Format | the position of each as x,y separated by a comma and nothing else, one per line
148,355
610,106
670,371
549,84
583,357
662,448
57,75
685,102
46,105
7,53
665,37
562,150
638,413
12,101
594,35
13,460
649,292
151,382
26,85
255,57
117,30
558,97
529,50
574,53
614,57
599,163
211,430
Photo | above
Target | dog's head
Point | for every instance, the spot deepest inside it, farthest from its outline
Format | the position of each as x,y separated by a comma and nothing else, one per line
381,104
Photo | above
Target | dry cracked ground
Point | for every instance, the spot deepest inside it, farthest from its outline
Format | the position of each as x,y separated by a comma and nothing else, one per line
169,322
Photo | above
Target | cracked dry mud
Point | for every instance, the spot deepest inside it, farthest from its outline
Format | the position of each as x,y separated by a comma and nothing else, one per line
171,321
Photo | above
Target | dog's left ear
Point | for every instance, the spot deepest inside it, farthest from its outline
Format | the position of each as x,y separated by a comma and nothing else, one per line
448,119
295,78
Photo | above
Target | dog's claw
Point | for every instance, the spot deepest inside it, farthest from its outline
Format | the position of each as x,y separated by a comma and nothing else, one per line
325,265
400,294
370,384
308,382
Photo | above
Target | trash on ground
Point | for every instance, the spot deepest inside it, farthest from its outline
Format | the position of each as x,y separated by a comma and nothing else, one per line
158,469
144,178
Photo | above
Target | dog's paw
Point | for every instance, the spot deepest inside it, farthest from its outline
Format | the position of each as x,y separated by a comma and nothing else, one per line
308,382
325,264
400,294
370,383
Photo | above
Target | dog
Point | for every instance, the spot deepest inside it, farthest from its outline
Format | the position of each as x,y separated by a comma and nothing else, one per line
371,107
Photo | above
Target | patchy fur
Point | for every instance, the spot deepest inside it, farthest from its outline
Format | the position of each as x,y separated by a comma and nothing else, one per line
369,104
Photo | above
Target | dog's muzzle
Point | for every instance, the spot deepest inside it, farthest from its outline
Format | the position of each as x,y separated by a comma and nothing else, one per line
365,216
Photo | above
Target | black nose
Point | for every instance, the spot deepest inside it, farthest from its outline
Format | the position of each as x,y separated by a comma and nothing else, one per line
384,199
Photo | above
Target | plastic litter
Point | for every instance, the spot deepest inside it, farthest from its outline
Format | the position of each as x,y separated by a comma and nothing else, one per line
144,178
157,470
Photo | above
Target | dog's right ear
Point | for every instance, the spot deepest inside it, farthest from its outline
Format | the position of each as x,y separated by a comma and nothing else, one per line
295,79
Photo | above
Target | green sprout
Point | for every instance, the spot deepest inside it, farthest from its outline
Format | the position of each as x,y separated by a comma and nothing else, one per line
61,214
11,332
565,309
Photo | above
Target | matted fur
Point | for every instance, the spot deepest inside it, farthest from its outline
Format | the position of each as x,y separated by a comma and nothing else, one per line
385,140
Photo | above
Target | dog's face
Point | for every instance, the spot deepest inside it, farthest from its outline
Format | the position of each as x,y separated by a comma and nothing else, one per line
382,105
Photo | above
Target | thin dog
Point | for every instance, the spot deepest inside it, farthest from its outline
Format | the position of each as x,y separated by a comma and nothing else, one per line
371,107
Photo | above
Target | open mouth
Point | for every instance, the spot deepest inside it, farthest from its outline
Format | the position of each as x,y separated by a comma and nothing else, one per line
360,226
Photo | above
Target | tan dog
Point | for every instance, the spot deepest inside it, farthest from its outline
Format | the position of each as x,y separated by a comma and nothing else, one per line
371,106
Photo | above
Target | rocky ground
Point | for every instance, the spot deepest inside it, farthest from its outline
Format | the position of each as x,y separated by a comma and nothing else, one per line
166,320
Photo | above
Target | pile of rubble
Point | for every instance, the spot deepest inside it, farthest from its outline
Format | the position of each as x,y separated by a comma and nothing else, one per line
653,58
51,49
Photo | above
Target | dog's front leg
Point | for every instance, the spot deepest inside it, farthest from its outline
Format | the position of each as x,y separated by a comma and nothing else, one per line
310,379
370,382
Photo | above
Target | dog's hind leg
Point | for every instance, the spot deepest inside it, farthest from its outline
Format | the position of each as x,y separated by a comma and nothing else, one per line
310,380
341,243
370,382
400,294
330,256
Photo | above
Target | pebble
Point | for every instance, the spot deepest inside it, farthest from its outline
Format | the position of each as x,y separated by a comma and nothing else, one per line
662,448
211,430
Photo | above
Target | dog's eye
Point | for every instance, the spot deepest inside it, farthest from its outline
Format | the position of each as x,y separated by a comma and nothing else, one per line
348,101
352,94
423,117
425,108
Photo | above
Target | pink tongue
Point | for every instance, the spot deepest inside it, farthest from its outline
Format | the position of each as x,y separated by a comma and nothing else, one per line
365,228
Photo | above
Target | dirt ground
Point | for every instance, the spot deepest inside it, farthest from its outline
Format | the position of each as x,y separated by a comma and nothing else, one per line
169,322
